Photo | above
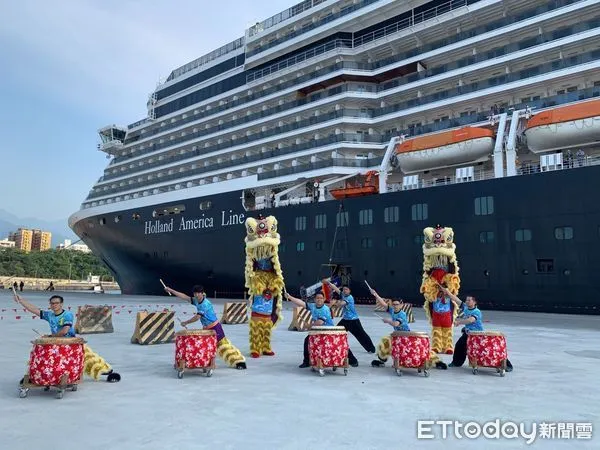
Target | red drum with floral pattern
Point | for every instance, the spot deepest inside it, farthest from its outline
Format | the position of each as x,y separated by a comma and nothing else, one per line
328,347
410,349
56,361
486,349
195,349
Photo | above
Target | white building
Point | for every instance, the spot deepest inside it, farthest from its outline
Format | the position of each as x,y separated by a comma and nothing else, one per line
77,247
5,243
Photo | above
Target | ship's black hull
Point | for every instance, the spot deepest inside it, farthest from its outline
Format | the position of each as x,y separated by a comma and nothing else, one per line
543,274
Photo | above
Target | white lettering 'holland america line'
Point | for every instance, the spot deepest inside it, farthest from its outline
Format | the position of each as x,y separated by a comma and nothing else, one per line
195,224
156,226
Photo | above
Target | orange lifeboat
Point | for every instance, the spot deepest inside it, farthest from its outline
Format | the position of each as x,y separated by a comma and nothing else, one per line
362,185
449,148
564,127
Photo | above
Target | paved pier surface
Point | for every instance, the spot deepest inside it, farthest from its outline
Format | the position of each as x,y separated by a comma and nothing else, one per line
276,405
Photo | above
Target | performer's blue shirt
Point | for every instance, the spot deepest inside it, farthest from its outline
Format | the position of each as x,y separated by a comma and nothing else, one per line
399,316
264,264
58,321
442,305
349,309
261,305
205,310
472,312
323,313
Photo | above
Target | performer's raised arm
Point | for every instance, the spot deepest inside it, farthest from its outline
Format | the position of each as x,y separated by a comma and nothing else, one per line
378,299
28,306
333,286
457,301
295,300
178,294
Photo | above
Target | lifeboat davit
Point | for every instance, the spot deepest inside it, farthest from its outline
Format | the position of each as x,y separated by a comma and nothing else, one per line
360,186
564,127
466,145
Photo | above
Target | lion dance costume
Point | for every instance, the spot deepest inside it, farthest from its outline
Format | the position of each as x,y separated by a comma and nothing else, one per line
264,281
94,366
440,266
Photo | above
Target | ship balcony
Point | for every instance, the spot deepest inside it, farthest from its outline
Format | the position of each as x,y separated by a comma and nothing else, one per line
362,163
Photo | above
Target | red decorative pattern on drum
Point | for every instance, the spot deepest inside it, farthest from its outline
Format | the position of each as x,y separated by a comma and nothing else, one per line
410,349
50,360
328,347
196,351
486,349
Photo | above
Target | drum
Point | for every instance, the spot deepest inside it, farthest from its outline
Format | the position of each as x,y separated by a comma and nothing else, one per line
195,349
56,361
411,349
328,347
487,349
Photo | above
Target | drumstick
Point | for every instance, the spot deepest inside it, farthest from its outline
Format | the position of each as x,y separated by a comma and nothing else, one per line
36,331
164,285
382,318
370,288
181,323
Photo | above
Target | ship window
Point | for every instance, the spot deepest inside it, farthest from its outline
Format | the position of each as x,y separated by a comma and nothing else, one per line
522,235
419,239
205,205
341,219
168,210
320,221
281,248
545,265
486,237
117,219
391,214
135,216
365,217
102,221
419,211
392,242
319,245
563,233
484,206
300,223
299,246
366,242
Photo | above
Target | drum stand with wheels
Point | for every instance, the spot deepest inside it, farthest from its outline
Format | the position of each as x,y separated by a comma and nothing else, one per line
26,384
501,369
321,369
206,370
423,368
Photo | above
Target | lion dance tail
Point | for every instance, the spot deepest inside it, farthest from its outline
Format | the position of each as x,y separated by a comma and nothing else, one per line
94,365
229,352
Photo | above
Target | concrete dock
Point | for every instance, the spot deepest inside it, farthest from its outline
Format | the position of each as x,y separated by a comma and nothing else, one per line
276,405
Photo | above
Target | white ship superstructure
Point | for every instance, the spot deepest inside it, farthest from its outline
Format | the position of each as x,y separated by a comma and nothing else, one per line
319,92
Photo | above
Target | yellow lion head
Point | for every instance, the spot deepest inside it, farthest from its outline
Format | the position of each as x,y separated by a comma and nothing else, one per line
439,241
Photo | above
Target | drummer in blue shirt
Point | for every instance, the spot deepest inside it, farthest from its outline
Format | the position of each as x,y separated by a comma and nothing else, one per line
320,316
472,319
61,321
350,319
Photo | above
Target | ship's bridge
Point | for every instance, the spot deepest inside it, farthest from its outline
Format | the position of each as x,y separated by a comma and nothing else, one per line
112,138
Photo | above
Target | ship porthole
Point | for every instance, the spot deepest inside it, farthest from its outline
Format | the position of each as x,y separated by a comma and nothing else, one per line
117,219
525,272
486,273
102,221
566,272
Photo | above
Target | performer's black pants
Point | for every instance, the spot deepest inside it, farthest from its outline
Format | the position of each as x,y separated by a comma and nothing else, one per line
351,358
460,352
355,327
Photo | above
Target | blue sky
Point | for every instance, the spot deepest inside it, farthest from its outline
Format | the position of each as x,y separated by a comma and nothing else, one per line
69,67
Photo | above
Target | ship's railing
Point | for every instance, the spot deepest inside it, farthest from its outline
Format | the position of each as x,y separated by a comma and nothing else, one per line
354,66
401,106
482,175
283,16
205,59
400,26
334,162
343,138
466,119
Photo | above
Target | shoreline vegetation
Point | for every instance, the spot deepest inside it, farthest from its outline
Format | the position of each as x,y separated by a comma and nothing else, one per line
67,269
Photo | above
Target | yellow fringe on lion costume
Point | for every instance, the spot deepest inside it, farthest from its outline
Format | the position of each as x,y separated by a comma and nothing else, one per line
440,267
264,281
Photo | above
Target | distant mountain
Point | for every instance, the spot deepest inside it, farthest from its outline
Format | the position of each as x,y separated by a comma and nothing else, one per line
59,228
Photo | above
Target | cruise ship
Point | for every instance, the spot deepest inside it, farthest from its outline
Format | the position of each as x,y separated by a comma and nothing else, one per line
358,123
